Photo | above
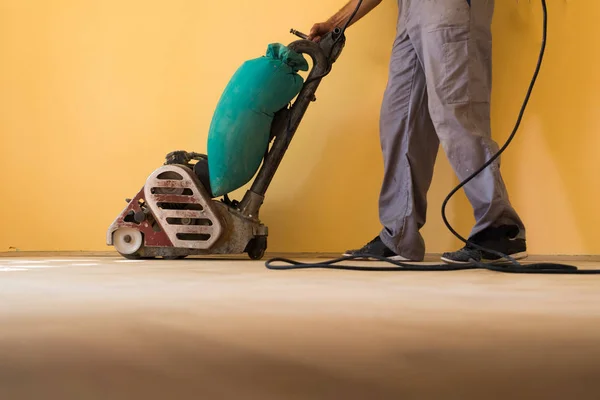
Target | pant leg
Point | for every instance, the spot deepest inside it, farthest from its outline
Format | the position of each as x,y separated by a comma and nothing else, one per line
453,39
409,145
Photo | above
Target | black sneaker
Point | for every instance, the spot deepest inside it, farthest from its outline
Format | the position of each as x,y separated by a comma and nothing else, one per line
375,248
501,239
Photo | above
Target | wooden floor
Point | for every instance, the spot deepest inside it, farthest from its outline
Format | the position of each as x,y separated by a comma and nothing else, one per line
103,328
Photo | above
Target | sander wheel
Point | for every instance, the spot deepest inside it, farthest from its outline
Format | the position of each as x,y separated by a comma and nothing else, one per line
128,241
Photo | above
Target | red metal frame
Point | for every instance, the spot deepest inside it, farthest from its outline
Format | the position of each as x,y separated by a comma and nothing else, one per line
151,237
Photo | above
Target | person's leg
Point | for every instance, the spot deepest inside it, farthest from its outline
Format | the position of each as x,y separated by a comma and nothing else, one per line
409,145
453,38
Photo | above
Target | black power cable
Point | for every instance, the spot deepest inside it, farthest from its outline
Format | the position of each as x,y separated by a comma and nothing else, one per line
536,268
512,267
351,18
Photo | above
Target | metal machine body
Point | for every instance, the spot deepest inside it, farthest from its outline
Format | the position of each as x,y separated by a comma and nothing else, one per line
174,215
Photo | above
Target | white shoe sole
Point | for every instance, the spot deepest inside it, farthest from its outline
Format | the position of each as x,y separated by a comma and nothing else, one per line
516,256
393,258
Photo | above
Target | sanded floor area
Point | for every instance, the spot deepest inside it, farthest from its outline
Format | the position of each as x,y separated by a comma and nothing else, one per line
104,328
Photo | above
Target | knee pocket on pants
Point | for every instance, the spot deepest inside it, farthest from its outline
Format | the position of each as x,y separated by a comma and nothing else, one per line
454,85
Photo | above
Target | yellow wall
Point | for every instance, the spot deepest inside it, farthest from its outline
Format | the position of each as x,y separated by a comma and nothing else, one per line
93,94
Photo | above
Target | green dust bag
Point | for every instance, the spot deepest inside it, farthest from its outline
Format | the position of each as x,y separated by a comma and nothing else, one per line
240,128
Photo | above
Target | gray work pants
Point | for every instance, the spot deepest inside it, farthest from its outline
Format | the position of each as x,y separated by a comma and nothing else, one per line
438,92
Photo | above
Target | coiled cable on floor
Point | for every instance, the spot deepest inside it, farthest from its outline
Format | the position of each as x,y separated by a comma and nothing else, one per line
513,266
534,268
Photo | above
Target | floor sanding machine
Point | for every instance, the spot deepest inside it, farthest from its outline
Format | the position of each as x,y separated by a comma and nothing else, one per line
175,214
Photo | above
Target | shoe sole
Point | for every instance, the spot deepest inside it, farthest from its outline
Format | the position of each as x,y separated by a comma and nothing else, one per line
393,258
516,256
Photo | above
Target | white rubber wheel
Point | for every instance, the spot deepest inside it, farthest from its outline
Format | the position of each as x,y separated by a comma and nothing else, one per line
128,240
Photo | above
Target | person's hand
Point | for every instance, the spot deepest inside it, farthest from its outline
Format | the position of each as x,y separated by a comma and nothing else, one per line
319,30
